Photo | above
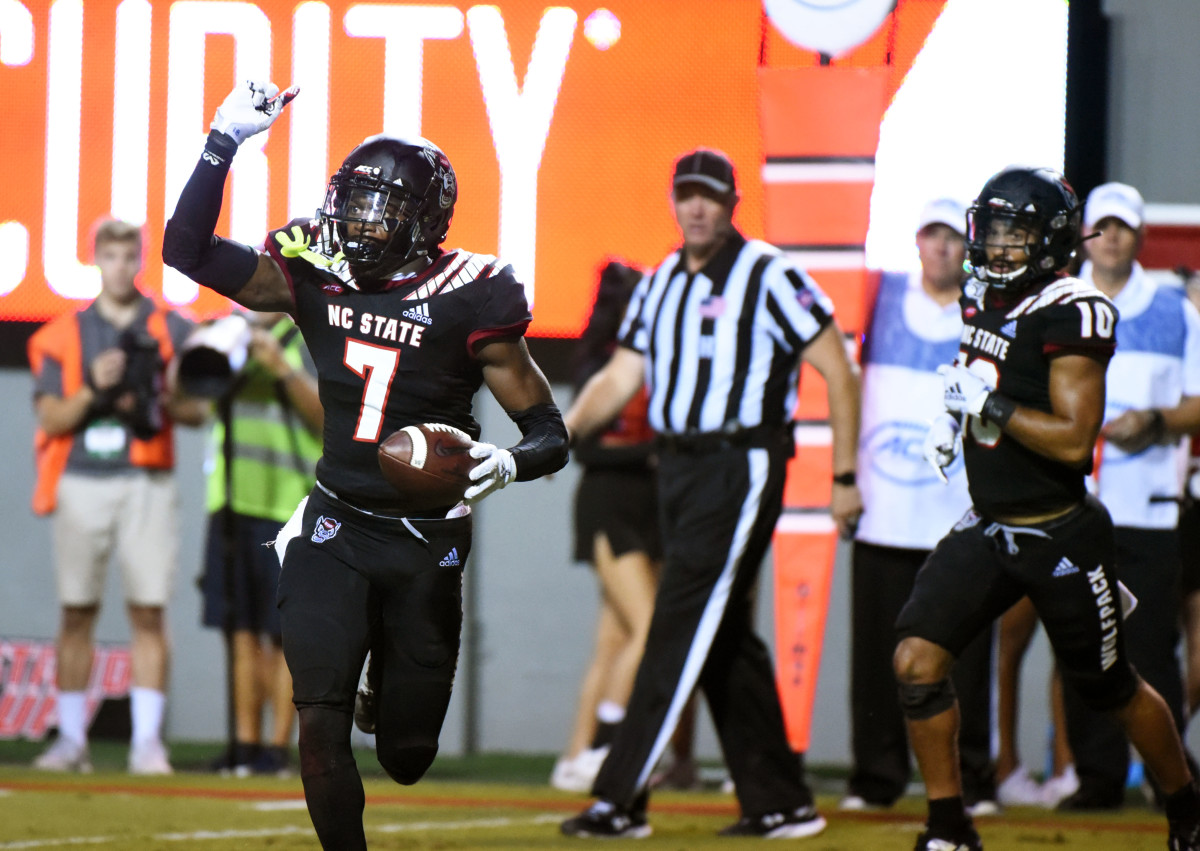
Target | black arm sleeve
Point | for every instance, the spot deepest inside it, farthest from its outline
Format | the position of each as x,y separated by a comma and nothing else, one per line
543,446
189,244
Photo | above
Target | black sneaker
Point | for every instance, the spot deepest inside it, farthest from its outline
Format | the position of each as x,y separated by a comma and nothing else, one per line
970,841
1184,836
1089,799
794,825
364,699
272,760
603,820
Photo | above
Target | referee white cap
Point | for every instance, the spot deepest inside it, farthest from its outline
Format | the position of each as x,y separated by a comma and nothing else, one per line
944,211
1119,200
707,166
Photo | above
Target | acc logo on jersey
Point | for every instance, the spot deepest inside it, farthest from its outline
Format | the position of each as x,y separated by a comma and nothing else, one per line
325,529
896,453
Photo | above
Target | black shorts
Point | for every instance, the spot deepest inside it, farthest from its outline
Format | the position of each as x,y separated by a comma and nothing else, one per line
1066,566
622,505
1189,547
255,574
353,582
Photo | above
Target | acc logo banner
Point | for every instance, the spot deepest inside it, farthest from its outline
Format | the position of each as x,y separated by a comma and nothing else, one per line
28,696
896,450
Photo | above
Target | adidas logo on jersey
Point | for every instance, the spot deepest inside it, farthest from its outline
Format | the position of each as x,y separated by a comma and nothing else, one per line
1009,329
418,313
451,559
1065,568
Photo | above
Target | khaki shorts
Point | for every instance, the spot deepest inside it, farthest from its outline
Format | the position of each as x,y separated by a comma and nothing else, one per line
132,516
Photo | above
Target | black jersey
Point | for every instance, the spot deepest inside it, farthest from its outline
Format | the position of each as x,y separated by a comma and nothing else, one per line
398,356
1010,344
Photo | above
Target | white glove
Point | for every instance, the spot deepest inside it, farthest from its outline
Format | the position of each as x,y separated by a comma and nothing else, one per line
943,442
251,108
964,391
496,468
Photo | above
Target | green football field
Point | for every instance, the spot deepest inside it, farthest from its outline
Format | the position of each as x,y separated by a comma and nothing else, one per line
493,802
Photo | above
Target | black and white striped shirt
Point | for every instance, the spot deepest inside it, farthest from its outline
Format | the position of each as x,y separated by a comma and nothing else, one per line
723,345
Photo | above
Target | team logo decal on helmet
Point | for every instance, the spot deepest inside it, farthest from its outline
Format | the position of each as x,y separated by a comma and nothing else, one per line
1038,201
390,203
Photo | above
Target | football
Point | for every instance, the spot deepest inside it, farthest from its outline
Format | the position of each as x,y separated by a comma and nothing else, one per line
427,464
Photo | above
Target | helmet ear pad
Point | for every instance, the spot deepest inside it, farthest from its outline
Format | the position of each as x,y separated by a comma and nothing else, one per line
1038,199
404,187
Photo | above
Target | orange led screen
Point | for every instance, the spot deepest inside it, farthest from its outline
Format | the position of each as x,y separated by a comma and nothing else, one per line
562,123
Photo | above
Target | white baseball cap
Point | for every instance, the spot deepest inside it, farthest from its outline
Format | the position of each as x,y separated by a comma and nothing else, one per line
944,211
1119,200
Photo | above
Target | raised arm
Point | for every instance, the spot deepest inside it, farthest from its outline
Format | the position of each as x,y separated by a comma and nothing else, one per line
190,245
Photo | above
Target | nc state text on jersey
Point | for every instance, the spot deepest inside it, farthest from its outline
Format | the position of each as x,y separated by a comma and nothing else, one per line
383,327
985,342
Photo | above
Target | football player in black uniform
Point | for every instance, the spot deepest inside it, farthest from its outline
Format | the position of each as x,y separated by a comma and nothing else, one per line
1025,401
402,332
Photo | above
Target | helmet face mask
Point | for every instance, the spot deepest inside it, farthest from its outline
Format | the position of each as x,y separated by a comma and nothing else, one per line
390,203
1023,228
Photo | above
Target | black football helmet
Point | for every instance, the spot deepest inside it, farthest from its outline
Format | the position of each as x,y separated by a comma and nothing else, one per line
405,186
1037,199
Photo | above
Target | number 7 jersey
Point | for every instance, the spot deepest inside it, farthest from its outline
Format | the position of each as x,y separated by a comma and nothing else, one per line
400,355
1011,345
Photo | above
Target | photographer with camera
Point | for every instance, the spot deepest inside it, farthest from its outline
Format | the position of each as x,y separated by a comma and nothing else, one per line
264,449
105,405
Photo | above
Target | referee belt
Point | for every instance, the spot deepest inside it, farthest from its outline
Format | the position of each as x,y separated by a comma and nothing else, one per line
705,442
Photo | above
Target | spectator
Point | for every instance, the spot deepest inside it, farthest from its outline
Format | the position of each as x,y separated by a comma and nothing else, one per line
105,459
616,531
260,469
1153,396
915,327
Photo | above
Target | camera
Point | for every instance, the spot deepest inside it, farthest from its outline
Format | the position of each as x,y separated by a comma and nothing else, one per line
213,356
143,379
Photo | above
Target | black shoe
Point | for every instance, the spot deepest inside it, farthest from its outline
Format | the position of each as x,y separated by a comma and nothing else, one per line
794,825
1091,799
364,699
1184,835
271,761
930,841
235,759
604,820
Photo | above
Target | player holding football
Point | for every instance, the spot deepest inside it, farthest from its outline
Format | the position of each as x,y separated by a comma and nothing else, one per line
1025,401
402,332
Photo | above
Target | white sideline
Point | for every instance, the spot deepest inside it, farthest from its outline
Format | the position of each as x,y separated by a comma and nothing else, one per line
196,836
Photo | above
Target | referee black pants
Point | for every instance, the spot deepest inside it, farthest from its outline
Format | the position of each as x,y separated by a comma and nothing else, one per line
718,513
883,579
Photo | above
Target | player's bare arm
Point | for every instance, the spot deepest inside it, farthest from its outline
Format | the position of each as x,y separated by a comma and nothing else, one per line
524,393
189,242
1068,433
827,354
606,393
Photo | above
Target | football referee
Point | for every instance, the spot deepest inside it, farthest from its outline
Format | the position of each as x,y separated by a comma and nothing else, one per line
717,334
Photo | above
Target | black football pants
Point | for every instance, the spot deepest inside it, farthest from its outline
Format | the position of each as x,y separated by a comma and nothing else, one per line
353,582
1148,562
718,513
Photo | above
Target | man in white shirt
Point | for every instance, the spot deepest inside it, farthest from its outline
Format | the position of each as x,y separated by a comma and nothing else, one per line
1153,397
